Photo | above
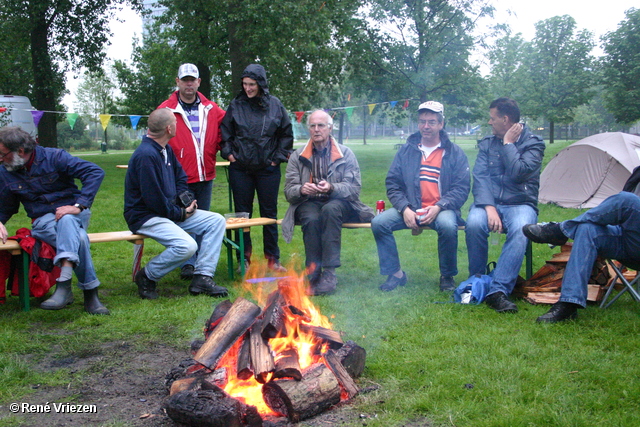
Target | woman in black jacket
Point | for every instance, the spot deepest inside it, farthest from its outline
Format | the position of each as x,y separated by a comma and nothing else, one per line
256,137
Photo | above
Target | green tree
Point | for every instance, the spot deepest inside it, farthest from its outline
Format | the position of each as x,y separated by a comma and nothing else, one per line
301,43
621,68
60,34
559,71
425,45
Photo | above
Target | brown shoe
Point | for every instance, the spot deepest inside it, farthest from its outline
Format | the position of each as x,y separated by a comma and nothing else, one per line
326,285
275,266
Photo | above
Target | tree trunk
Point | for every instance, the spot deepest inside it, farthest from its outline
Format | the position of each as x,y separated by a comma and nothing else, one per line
43,80
205,77
552,127
238,54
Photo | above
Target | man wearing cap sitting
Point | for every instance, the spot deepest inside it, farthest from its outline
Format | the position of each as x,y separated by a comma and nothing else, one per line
506,179
431,174
197,139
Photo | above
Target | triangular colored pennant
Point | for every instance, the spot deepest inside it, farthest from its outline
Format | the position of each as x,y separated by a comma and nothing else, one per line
349,111
104,120
2,109
71,119
371,107
299,116
406,104
349,97
393,104
37,115
134,121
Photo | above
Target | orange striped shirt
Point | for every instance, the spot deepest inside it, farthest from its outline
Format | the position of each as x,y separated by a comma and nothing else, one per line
430,177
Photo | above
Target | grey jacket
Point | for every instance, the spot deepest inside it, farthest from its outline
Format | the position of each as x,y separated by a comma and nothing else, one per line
344,175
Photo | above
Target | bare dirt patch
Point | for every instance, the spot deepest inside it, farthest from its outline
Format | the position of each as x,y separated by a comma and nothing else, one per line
127,388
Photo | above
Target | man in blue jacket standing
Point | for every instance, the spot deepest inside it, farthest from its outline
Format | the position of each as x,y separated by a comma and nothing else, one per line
429,174
157,203
506,179
43,180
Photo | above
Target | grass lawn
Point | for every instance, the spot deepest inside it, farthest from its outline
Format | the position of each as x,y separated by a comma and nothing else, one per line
450,364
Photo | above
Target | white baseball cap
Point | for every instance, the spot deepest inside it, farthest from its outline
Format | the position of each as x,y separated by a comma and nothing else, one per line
188,70
434,106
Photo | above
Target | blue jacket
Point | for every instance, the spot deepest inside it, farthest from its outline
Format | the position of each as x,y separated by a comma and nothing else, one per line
403,178
151,186
48,184
508,174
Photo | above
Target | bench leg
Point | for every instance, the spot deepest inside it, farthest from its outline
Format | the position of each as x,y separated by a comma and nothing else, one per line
231,245
23,281
529,260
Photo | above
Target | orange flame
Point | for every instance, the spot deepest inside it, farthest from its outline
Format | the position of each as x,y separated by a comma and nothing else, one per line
299,310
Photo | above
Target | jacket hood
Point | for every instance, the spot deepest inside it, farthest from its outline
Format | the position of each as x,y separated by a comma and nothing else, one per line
257,73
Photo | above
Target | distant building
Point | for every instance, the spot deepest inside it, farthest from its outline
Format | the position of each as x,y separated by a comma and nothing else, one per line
156,10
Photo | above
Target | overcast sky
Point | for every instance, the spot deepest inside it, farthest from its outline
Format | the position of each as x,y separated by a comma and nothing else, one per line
597,17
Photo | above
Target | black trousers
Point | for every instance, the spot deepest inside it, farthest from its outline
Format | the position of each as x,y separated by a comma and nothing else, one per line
321,223
266,183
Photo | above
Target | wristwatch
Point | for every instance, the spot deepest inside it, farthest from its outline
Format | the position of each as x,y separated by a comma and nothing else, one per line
79,206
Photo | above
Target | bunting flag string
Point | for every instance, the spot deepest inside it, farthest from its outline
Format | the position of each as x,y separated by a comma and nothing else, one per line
71,119
134,119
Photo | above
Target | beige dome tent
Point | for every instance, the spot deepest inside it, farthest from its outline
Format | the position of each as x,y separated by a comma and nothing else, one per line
590,170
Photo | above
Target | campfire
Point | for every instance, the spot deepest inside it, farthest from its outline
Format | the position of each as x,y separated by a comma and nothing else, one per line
261,361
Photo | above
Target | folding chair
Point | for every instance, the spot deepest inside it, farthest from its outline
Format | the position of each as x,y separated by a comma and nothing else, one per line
633,287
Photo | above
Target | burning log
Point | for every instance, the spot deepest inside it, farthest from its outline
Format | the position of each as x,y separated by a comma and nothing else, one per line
219,378
210,408
261,357
298,400
352,357
273,321
332,337
218,313
233,325
349,386
287,365
243,365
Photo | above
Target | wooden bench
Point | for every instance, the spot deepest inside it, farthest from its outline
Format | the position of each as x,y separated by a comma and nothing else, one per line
138,240
528,253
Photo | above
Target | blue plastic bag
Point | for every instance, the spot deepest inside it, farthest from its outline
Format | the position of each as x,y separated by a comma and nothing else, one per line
473,290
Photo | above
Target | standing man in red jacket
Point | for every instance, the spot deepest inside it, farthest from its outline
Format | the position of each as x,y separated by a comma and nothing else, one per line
197,139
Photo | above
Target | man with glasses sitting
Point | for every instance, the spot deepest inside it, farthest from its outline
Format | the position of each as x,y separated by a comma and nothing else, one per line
427,184
322,185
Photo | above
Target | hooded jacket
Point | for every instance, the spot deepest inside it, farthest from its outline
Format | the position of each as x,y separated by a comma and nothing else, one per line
403,178
508,174
197,159
257,131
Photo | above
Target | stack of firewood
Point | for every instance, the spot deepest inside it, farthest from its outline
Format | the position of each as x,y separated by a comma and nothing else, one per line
545,285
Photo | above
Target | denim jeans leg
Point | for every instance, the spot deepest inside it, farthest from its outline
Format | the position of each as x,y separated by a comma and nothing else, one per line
69,236
621,209
210,227
514,217
383,226
477,238
202,193
590,241
179,246
446,225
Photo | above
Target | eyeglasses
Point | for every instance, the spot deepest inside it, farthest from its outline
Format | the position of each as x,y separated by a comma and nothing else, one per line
3,155
431,123
319,126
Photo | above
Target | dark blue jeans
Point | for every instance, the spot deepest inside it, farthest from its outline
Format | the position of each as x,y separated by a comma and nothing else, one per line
266,183
391,220
202,193
611,230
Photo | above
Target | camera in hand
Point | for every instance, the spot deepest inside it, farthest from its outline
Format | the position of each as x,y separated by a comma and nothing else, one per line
185,198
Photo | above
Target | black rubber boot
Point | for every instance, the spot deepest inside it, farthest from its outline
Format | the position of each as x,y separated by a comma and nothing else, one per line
61,298
92,304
